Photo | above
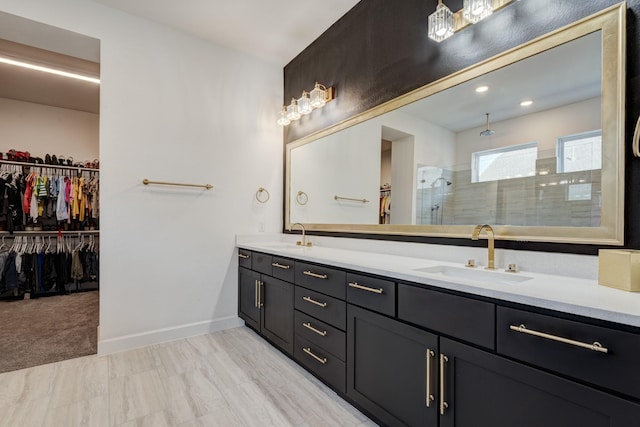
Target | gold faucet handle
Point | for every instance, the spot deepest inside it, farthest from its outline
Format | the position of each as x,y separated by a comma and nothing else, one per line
512,268
471,263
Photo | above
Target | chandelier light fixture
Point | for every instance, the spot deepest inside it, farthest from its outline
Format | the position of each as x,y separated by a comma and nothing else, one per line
443,23
303,106
477,10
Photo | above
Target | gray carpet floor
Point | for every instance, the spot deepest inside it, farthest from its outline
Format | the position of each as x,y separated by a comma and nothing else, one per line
46,330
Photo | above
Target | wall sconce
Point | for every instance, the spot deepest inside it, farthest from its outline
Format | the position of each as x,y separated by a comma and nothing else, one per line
443,23
308,102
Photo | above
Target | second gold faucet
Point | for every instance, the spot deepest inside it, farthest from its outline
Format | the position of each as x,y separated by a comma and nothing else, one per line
490,239
302,242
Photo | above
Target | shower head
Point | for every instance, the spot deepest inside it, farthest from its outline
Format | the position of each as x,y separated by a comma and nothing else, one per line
433,184
487,131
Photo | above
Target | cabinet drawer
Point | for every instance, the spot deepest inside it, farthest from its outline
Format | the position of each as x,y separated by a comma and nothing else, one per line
460,317
375,294
261,262
321,335
325,365
322,307
283,268
616,369
244,258
322,279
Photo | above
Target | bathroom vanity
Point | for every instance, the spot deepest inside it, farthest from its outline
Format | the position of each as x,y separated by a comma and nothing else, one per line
418,342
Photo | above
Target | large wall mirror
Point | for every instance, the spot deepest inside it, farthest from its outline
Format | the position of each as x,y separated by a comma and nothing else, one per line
530,141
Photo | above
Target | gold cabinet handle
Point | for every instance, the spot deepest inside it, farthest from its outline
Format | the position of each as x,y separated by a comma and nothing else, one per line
243,256
312,301
366,288
260,302
256,295
443,404
307,350
282,266
317,331
595,346
429,397
316,275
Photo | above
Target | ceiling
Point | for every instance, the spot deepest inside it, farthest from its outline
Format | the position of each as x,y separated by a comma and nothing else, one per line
276,31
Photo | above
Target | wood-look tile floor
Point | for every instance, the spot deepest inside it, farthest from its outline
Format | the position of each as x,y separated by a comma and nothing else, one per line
228,378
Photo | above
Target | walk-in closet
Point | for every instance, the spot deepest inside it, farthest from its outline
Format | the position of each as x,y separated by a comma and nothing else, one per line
49,194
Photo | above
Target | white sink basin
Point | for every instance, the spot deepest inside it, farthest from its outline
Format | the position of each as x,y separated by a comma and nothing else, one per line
478,275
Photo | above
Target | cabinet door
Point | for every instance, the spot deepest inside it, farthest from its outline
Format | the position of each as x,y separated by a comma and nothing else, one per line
387,369
277,312
482,389
248,307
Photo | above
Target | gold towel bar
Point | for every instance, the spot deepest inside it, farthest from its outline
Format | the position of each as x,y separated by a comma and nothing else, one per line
207,186
350,199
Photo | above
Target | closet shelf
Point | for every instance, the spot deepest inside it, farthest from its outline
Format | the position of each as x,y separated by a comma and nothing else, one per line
39,165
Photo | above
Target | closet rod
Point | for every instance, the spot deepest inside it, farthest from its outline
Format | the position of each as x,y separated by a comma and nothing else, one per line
44,165
47,233
207,186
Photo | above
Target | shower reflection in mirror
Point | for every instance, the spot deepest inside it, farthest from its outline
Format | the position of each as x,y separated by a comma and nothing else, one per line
433,191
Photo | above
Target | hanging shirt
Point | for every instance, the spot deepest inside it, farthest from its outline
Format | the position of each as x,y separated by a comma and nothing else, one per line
61,206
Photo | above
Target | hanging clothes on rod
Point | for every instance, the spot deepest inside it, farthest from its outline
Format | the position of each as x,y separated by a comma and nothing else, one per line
385,204
46,266
48,198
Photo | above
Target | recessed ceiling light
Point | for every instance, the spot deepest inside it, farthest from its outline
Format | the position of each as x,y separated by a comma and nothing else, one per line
481,89
10,61
526,103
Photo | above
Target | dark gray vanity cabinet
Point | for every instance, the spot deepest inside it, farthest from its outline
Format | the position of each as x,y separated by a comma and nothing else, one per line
266,303
414,355
483,389
392,369
320,322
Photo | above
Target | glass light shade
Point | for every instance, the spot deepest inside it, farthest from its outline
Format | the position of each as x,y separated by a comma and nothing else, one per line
282,117
440,23
318,96
292,110
476,10
304,104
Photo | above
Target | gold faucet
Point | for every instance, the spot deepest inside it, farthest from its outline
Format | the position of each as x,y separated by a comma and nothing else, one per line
490,238
303,242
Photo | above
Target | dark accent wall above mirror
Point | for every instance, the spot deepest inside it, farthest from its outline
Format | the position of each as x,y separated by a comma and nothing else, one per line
379,51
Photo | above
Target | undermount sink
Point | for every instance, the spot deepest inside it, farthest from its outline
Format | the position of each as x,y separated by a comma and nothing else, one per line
478,275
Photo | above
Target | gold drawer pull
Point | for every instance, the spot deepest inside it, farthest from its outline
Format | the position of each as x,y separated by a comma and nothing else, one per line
243,256
429,396
322,360
284,267
443,404
312,301
366,288
316,275
317,331
595,346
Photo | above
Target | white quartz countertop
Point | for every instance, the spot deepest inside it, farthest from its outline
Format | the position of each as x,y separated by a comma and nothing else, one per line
561,293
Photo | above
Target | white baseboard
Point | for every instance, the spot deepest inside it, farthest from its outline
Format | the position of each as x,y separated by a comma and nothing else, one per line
130,342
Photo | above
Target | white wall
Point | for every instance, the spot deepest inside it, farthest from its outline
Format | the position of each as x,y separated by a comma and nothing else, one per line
41,129
173,108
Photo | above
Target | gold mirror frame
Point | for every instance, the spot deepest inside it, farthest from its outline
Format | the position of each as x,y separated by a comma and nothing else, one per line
612,23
